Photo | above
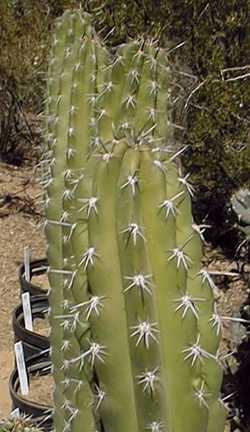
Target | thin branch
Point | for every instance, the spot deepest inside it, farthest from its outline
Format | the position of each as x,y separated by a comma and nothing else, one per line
238,77
194,91
234,69
176,47
186,74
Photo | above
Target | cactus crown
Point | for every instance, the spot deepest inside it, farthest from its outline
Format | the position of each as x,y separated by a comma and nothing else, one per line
135,330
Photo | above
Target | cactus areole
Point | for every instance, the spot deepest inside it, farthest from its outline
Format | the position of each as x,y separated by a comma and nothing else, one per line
134,328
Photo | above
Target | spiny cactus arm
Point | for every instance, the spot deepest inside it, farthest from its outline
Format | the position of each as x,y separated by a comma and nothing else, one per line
127,99
189,237
138,289
132,58
66,49
117,93
109,346
152,107
163,132
177,329
55,189
146,96
77,209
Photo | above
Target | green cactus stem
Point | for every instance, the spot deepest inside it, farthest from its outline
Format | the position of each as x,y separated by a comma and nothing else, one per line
135,333
71,53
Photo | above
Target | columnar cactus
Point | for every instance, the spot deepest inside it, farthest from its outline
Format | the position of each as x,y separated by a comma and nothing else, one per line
135,331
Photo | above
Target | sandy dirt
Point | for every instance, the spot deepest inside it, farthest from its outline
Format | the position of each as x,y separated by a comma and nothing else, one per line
20,226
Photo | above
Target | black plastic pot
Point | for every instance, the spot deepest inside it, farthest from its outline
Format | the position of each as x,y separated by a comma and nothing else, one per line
39,414
33,343
37,267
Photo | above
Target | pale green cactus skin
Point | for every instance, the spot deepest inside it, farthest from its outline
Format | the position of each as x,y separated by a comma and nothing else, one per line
134,329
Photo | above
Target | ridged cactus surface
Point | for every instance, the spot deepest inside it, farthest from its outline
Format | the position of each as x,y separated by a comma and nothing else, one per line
134,327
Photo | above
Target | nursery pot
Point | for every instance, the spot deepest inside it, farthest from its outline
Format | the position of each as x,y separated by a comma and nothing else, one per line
33,343
39,414
37,268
